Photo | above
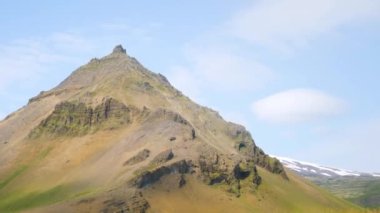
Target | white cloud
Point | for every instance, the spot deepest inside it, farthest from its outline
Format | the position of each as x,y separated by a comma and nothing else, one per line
297,105
282,24
286,24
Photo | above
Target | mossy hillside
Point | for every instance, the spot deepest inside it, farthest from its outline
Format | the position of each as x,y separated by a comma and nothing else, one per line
21,169
75,118
22,200
370,196
362,190
299,195
26,200
15,199
275,195
17,172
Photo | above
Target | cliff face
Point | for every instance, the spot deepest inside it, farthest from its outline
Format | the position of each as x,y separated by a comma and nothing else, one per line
71,119
113,130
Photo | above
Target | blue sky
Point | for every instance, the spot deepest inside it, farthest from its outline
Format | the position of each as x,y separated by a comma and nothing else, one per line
302,76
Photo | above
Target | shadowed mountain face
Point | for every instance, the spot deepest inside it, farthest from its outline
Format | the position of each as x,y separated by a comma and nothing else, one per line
116,137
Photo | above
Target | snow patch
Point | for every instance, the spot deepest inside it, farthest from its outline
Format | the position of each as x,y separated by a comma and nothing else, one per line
325,174
299,165
291,166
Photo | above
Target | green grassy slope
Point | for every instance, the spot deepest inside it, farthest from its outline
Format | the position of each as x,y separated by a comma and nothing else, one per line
370,197
274,195
364,191
300,195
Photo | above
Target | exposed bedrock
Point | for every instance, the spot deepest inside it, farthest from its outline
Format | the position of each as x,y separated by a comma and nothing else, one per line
139,157
150,177
76,118
133,202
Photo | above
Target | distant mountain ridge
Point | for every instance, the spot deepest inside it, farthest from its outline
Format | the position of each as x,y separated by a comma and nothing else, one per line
362,188
308,169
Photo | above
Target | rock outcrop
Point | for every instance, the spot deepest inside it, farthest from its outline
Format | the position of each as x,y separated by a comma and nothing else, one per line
163,157
147,178
119,49
242,171
246,146
220,169
139,157
213,168
134,202
76,118
169,115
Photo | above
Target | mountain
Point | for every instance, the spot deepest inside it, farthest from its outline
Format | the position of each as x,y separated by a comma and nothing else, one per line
362,188
116,137
307,169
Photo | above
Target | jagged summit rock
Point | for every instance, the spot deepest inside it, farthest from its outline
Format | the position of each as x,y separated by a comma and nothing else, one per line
119,49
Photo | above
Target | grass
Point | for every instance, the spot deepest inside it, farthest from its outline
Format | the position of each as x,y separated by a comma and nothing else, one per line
44,153
364,191
20,170
299,195
86,192
23,168
275,194
370,196
20,201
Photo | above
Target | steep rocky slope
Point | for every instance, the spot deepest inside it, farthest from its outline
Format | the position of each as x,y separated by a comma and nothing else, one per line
113,136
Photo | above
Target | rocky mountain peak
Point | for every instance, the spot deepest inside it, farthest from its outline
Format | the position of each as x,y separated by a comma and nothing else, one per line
119,49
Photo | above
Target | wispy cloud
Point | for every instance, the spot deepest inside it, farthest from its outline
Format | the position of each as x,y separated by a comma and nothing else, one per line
25,60
219,69
280,24
24,63
287,24
297,105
